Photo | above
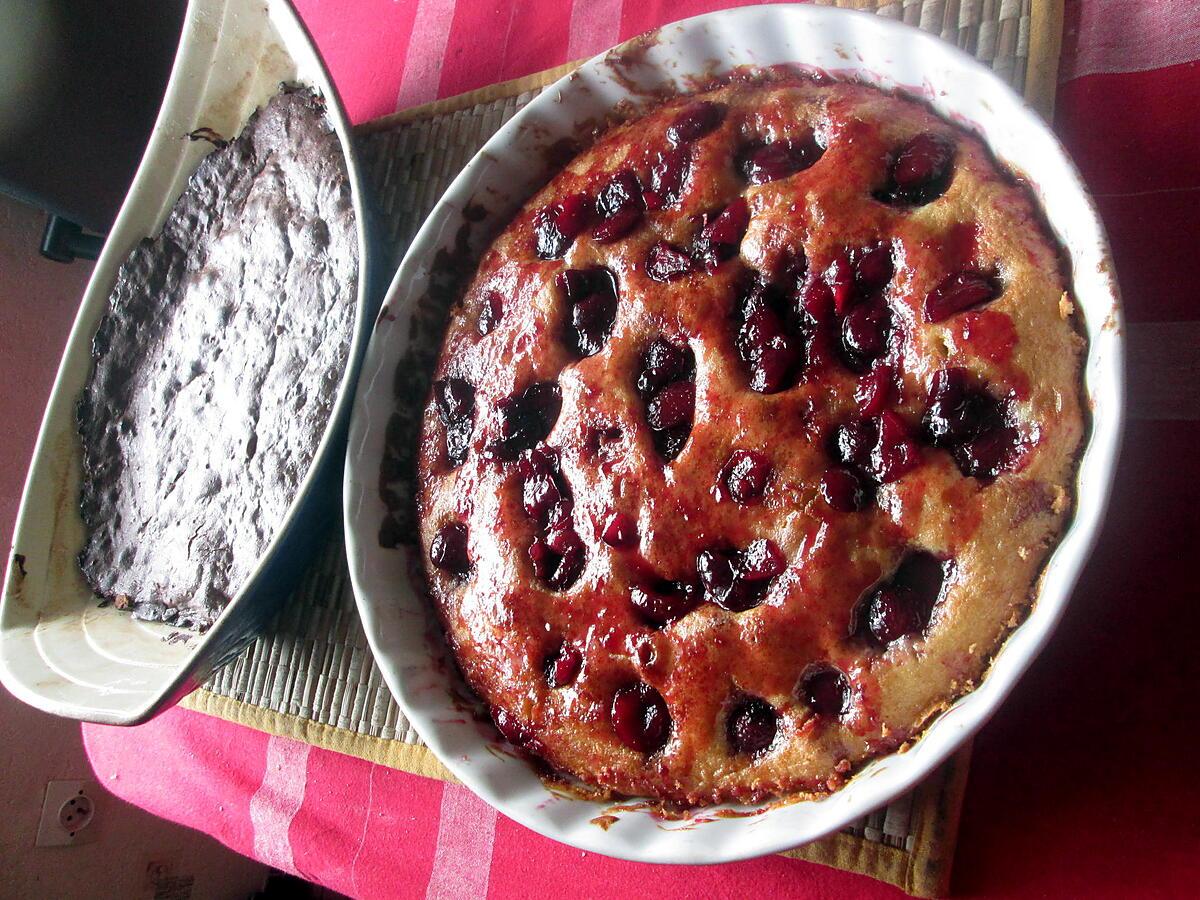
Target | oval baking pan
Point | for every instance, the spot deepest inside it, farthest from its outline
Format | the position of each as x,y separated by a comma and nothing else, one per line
397,618
60,649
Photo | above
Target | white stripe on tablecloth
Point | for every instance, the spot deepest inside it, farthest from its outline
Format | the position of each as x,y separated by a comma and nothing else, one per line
277,800
1133,36
595,26
462,862
426,50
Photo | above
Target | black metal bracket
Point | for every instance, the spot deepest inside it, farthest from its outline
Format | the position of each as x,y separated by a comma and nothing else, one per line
64,241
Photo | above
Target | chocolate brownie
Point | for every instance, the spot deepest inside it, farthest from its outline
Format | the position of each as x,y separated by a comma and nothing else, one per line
217,365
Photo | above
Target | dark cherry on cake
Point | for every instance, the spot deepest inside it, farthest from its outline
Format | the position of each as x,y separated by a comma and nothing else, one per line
748,440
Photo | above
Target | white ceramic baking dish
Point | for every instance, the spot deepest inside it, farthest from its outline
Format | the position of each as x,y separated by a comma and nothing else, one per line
59,650
506,172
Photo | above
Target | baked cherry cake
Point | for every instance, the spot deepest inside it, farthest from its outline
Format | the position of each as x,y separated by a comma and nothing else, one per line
748,441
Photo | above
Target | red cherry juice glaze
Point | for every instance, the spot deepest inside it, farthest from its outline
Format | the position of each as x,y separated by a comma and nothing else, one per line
672,644
987,333
955,247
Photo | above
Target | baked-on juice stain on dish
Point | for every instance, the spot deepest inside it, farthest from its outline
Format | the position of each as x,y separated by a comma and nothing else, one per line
412,382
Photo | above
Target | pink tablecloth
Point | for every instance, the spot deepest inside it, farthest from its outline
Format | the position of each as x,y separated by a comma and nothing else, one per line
1081,785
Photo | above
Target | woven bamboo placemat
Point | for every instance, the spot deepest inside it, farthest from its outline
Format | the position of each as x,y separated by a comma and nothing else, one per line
313,676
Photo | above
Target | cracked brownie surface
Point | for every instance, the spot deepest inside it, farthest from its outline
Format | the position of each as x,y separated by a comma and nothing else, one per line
216,367
748,442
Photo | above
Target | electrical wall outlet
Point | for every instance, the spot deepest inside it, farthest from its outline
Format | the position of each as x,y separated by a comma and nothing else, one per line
67,812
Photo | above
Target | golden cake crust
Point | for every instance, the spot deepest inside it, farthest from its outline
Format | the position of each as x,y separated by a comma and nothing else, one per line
989,535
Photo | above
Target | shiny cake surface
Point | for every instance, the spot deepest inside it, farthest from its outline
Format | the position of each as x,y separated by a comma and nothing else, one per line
748,442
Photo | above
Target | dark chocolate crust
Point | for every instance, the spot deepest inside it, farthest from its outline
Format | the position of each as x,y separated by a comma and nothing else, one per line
217,366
